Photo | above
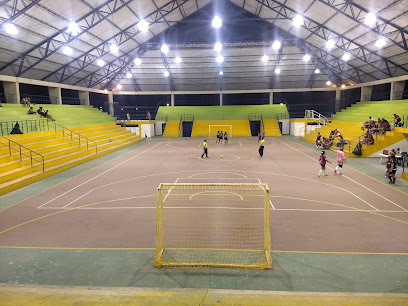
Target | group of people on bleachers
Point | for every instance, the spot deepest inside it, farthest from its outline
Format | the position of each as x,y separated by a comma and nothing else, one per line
26,101
381,126
325,143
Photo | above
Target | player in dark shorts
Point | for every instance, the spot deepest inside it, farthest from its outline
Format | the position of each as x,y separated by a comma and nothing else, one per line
393,168
225,138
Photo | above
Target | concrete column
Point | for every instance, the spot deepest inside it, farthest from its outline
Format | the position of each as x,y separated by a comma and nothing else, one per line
220,99
55,95
271,97
84,97
172,99
12,91
397,89
366,93
110,101
337,105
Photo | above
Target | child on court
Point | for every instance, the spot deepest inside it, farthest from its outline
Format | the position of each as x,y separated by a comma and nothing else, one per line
323,160
225,138
341,159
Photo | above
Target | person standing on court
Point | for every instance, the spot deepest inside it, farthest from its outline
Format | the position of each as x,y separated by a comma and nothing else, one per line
341,159
205,149
261,146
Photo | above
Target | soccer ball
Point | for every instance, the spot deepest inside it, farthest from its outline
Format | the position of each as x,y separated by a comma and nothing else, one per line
221,156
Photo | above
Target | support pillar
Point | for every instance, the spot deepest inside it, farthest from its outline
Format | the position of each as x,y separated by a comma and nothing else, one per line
55,95
12,92
221,99
366,93
337,105
83,97
271,97
110,102
172,99
397,89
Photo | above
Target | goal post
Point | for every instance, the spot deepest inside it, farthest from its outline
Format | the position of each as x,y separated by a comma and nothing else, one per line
213,129
213,225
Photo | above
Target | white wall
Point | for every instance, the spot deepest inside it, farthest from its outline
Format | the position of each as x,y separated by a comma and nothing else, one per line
159,128
134,130
285,126
148,130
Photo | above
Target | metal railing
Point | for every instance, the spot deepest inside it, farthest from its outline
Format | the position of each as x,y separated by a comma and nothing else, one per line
35,99
74,101
161,117
403,123
74,136
280,116
187,117
27,126
352,143
257,117
316,116
33,155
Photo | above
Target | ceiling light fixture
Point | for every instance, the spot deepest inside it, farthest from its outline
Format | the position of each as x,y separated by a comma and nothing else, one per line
380,42
73,28
328,83
345,57
166,73
67,50
277,70
143,26
11,29
100,62
330,44
276,45
217,22
218,47
370,19
178,60
317,71
113,48
265,58
137,61
221,73
298,20
128,75
164,48
306,58
219,59
119,87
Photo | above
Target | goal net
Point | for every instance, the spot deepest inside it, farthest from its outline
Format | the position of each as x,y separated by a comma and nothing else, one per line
213,225
213,129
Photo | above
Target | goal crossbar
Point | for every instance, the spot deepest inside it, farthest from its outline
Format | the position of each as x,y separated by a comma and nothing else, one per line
212,129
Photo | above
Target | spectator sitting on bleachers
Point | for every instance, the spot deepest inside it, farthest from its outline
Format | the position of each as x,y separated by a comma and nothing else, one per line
341,142
397,120
368,138
48,116
369,123
40,111
31,111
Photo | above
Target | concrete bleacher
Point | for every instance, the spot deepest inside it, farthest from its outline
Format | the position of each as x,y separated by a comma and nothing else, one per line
234,115
362,110
65,115
60,152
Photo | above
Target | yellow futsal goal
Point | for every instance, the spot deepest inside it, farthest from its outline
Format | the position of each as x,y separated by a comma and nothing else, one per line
213,225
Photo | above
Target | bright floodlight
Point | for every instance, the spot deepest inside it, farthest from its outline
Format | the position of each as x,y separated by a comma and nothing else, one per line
276,45
219,59
306,58
164,48
265,58
178,60
218,47
277,70
221,73
317,71
100,63
328,83
298,20
343,85
11,29
137,61
113,48
143,26
73,28
370,19
67,50
380,42
119,87
128,75
330,44
345,57
217,22
166,74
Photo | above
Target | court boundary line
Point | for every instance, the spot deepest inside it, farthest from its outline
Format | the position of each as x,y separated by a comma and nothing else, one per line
96,176
385,198
93,168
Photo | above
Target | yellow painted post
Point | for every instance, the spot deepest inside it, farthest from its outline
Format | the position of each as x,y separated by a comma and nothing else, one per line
159,228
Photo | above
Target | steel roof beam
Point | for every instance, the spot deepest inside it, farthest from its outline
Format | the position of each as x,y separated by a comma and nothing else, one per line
52,45
324,32
120,38
13,12
358,13
167,67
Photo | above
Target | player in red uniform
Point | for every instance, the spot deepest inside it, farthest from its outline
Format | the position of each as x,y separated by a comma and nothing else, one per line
323,160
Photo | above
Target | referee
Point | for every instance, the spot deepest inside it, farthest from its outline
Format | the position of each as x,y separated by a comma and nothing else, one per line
205,149
261,146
